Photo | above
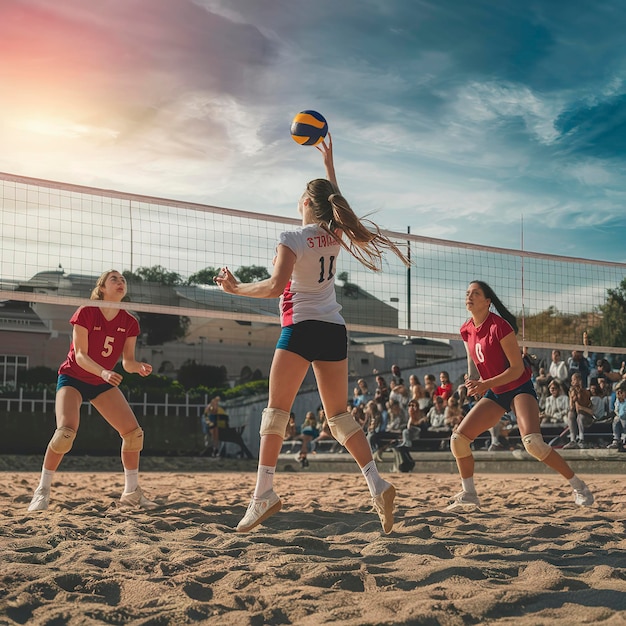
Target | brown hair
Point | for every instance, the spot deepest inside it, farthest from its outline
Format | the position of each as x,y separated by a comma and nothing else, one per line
366,242
96,294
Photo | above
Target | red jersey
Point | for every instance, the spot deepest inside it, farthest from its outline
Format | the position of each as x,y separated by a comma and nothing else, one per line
487,353
445,391
106,341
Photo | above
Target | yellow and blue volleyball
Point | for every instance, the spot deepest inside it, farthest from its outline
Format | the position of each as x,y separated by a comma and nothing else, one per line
308,128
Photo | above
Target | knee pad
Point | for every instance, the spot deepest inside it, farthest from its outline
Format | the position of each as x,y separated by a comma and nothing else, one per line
460,445
536,446
133,441
62,440
342,427
274,422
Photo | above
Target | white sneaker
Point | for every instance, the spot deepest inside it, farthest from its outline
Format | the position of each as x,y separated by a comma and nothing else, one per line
41,500
464,500
583,497
137,500
259,510
383,503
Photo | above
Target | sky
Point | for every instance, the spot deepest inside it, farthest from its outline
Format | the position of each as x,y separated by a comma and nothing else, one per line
496,122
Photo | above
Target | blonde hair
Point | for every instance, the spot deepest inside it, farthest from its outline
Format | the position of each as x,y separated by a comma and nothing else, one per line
96,294
366,243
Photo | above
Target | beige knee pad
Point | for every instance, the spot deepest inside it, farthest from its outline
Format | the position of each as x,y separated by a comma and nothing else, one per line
274,422
342,427
460,445
62,440
536,446
133,441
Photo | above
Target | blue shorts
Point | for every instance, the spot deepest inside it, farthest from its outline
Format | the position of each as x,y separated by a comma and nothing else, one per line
315,341
88,392
505,399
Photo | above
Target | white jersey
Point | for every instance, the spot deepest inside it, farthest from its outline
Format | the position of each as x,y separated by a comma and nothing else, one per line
310,294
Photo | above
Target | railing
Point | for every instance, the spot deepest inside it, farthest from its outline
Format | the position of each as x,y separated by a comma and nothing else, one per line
45,404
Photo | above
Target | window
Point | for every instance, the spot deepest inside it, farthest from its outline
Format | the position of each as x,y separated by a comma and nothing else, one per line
9,367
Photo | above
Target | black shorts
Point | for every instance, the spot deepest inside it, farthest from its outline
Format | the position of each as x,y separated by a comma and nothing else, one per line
86,390
505,399
315,341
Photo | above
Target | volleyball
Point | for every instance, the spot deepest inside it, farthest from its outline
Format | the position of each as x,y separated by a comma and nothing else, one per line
308,128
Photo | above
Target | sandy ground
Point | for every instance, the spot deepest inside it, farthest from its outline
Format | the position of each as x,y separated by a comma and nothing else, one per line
529,556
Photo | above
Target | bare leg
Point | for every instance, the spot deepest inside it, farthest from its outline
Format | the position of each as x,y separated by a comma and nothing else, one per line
527,412
67,409
113,406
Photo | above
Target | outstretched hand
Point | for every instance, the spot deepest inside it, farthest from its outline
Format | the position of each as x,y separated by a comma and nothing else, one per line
327,153
226,281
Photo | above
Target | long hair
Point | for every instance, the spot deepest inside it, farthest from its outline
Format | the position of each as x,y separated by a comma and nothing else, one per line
503,312
96,294
366,243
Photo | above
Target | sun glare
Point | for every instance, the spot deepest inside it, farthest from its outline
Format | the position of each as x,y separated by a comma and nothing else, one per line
52,127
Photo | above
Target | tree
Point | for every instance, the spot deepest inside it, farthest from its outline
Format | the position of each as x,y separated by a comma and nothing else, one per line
204,277
611,331
252,273
192,375
159,328
154,274
39,375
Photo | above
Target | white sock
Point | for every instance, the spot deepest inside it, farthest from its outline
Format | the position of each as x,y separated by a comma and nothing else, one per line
264,480
131,478
375,482
576,483
45,482
468,484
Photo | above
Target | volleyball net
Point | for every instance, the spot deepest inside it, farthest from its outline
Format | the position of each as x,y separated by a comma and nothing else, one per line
58,238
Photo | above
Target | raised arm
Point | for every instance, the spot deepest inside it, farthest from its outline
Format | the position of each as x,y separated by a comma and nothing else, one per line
327,153
270,287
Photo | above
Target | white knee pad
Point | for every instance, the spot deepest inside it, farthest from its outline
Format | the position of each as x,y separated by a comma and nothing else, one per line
460,445
62,440
342,427
133,441
274,422
536,446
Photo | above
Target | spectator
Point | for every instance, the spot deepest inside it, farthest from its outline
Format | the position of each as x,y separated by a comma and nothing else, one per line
500,434
580,414
396,375
437,416
578,363
430,386
532,360
382,439
362,394
212,415
619,421
556,406
419,394
359,416
381,393
541,387
291,431
414,426
453,413
558,368
325,434
603,370
397,415
308,433
399,393
374,420
445,386
599,403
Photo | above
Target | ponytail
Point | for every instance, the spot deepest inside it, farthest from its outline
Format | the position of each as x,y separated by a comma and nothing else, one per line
503,312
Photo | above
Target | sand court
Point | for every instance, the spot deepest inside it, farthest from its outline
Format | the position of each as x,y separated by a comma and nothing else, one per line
530,556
